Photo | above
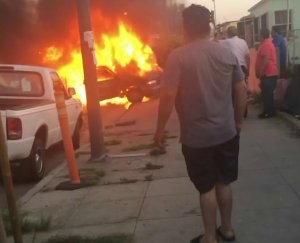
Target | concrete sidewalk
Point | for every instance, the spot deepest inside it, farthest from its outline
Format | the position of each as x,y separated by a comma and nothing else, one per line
161,205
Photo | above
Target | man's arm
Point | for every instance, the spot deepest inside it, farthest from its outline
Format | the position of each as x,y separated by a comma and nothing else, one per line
166,104
169,86
239,91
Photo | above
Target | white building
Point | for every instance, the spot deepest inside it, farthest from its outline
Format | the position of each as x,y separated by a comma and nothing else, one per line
282,13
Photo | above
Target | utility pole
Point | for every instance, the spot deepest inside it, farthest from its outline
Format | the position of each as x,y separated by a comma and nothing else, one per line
90,80
9,188
215,12
2,230
288,19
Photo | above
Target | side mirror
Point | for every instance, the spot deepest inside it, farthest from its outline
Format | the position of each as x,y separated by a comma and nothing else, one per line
71,92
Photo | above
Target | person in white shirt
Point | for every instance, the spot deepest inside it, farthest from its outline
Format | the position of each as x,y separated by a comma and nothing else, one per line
239,48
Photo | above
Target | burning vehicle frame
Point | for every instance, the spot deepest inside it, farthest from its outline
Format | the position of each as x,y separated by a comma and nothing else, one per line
111,84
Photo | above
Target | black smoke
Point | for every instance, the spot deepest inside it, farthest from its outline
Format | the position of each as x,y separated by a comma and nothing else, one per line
28,26
15,30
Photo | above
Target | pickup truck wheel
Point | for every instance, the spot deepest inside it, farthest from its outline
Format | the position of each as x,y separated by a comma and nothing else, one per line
134,96
36,160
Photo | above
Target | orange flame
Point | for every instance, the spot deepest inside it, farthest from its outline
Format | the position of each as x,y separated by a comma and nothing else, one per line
120,50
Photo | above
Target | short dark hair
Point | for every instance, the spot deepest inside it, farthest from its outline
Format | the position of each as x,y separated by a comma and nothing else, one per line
232,31
265,33
196,19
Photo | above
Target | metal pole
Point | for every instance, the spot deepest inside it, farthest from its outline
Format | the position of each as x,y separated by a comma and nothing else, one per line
245,32
215,13
253,31
90,79
9,188
287,27
288,20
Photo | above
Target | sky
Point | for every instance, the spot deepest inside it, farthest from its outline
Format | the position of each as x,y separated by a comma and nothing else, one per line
227,10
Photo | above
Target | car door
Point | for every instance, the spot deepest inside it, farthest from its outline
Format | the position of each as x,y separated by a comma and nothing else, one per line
107,84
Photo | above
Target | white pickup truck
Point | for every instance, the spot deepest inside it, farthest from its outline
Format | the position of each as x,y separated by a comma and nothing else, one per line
29,116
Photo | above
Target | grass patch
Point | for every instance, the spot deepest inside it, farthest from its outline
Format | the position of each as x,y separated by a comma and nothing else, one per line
91,176
113,142
83,153
139,147
109,126
157,151
125,123
27,223
47,189
145,134
171,137
150,166
149,178
122,238
128,181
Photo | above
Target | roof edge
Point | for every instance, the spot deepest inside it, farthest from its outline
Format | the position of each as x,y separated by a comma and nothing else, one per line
256,5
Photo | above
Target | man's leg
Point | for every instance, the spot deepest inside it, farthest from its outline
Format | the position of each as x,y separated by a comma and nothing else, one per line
227,160
263,94
270,85
208,204
272,88
224,198
201,170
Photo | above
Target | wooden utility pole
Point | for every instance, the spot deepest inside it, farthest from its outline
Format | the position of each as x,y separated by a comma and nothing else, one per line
2,230
8,186
90,80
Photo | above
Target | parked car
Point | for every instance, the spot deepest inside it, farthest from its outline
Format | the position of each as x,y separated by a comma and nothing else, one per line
29,115
134,87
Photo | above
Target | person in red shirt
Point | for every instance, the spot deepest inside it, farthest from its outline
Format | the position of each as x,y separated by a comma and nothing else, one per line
267,71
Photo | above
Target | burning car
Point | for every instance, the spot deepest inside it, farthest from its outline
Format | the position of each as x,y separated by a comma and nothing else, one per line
124,83
127,66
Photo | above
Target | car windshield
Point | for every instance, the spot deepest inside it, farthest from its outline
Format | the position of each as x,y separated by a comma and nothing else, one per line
103,73
20,83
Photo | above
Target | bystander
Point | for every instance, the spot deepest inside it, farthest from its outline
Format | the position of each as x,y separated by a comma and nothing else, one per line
205,82
267,72
281,50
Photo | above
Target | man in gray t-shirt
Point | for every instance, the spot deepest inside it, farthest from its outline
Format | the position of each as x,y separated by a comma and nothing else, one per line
204,81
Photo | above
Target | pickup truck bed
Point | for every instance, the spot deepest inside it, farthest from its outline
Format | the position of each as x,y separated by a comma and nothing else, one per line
6,104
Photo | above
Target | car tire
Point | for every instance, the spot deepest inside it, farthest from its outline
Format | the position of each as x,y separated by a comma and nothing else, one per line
76,134
36,160
134,96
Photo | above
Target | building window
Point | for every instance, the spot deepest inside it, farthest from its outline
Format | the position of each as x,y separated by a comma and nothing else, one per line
264,21
281,21
281,17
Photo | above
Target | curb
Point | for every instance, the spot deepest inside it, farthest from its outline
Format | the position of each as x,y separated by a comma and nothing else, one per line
29,194
293,122
34,190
